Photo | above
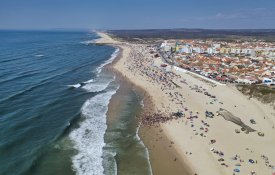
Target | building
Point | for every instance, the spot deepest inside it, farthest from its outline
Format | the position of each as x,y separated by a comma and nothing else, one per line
210,50
186,49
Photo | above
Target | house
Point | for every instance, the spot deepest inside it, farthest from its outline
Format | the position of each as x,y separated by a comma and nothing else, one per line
210,50
198,50
167,48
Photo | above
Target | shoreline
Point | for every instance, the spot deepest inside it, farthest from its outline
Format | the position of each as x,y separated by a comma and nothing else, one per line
124,96
194,144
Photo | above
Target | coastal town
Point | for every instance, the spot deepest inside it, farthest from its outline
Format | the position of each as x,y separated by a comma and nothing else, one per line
190,118
242,62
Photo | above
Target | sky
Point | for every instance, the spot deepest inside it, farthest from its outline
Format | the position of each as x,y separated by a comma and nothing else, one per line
137,14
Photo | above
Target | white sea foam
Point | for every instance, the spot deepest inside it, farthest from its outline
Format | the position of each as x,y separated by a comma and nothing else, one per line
89,81
81,84
39,55
89,137
113,56
75,85
97,86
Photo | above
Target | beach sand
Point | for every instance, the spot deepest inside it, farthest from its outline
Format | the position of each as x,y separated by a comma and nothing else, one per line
183,146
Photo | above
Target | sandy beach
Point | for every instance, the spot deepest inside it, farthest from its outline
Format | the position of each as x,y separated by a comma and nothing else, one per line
191,126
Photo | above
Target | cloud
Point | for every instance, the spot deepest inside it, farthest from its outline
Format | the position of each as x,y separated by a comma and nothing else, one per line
230,16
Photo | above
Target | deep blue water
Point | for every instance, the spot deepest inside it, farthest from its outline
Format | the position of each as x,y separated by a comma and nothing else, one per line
38,110
54,97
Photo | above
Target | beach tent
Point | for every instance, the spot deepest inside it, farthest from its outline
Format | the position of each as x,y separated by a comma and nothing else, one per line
236,170
251,161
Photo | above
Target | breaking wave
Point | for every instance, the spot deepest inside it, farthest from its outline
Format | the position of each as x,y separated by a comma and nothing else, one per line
39,55
89,137
113,56
97,86
78,85
75,85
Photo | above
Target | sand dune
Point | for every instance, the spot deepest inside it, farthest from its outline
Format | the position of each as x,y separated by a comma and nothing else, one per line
230,117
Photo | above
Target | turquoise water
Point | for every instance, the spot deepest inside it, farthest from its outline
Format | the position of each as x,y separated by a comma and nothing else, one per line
53,102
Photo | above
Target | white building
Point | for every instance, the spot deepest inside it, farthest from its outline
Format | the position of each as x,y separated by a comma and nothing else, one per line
210,50
198,50
163,44
216,46
233,50
186,49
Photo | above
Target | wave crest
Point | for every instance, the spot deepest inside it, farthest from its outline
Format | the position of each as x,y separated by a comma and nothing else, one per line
113,56
89,137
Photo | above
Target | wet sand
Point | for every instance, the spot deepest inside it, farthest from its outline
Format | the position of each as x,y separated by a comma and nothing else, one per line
163,156
131,155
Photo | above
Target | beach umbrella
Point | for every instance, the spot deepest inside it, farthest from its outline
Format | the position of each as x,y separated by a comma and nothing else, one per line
236,170
251,161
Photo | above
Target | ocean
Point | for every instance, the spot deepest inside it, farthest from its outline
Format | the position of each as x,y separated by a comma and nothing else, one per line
54,99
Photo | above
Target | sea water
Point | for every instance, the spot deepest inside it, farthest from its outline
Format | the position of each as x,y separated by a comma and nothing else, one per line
54,96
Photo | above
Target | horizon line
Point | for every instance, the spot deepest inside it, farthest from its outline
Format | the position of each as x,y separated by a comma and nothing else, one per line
105,29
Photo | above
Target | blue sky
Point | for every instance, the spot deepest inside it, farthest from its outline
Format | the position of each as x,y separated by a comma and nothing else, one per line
137,14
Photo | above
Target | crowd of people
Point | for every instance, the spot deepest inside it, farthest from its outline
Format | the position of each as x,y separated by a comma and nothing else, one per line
141,62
